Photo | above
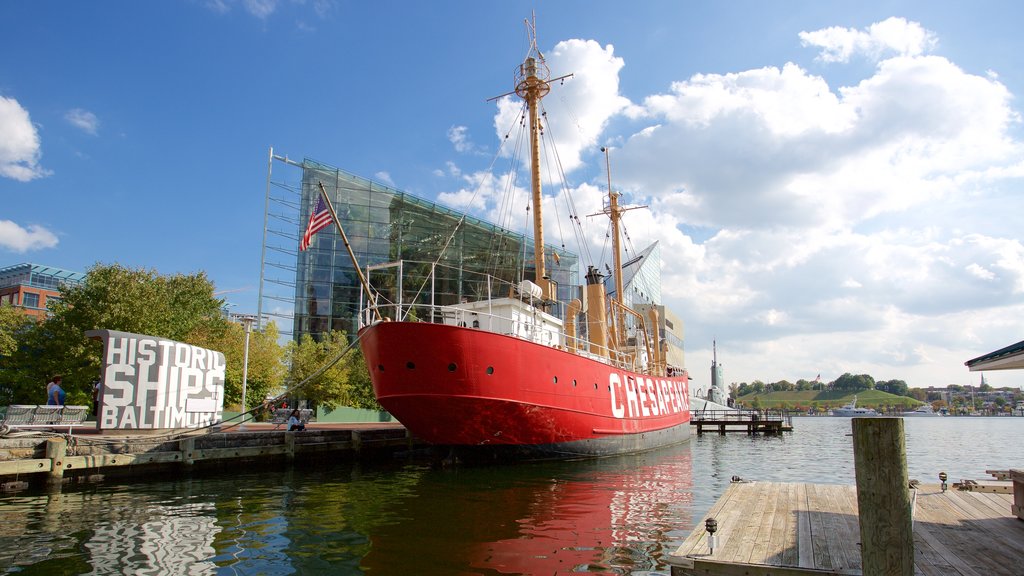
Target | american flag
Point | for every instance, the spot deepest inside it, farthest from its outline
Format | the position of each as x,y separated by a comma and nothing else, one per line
318,220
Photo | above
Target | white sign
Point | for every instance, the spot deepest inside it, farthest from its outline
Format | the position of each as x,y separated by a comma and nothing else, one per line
153,383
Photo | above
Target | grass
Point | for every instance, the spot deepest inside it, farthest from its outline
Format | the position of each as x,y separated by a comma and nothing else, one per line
824,399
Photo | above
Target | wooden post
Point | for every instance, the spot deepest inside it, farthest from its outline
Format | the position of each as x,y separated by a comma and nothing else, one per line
1017,508
188,448
56,450
357,442
883,497
289,445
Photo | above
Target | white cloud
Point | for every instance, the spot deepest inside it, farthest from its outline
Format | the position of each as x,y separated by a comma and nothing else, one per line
867,228
19,146
17,239
384,178
579,109
260,8
891,36
459,137
83,120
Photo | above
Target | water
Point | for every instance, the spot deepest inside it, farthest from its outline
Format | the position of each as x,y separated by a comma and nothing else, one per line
611,516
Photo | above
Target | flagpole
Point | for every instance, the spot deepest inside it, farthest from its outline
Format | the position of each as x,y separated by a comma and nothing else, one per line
355,263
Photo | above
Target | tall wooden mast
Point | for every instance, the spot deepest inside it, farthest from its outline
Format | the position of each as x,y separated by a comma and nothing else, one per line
532,85
533,82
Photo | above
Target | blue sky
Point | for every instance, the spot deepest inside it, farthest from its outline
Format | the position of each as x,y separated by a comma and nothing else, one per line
836,186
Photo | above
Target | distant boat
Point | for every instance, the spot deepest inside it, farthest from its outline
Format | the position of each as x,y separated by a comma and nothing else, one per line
922,410
852,410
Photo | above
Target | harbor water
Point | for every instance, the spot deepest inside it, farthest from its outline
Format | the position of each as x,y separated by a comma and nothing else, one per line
621,515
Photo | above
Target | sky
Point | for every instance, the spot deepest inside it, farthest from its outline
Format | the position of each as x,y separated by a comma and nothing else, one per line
835,186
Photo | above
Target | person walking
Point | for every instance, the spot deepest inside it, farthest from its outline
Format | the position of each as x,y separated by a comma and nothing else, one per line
55,394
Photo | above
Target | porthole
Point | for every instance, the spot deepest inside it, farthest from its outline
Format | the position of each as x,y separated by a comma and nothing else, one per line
451,367
380,367
410,365
490,370
555,379
595,385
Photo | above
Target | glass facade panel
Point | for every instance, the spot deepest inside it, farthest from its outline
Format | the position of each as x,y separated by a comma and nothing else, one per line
386,225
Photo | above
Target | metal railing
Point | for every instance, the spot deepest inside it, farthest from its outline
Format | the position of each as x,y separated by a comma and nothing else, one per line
409,291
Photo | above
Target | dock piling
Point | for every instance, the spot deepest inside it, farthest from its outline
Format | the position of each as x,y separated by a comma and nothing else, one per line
883,496
56,450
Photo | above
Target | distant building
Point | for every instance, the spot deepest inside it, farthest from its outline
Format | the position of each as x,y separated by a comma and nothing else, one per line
641,287
33,287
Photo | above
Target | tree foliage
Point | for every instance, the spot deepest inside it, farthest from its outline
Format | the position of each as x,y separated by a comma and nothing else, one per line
345,383
111,297
897,387
13,322
266,356
850,382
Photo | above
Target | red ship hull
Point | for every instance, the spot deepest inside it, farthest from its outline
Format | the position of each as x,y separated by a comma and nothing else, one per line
457,386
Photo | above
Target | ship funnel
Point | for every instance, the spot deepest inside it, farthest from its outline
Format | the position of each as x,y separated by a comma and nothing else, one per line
597,323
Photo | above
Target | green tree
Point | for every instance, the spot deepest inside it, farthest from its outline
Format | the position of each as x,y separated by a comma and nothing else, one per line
897,387
345,383
783,386
734,390
110,297
360,387
266,359
850,382
13,322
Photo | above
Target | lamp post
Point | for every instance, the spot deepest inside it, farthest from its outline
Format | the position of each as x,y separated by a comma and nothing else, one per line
247,320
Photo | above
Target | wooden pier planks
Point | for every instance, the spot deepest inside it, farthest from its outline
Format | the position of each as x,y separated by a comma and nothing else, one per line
790,529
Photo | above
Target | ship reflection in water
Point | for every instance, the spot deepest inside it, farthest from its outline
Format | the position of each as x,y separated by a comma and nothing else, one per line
620,515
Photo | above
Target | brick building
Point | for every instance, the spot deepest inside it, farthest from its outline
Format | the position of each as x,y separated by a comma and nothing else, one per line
33,287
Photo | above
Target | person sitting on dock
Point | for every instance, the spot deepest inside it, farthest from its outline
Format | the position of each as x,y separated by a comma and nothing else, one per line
295,421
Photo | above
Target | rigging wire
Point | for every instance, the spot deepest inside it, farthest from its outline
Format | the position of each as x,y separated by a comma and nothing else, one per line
577,227
455,230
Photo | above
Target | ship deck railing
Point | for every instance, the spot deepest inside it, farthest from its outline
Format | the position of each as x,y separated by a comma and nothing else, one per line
415,296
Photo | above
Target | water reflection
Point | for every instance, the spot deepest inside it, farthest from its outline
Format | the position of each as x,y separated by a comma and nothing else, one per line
620,515
605,516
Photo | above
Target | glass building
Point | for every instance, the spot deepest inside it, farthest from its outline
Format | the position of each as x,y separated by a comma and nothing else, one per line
386,225
641,288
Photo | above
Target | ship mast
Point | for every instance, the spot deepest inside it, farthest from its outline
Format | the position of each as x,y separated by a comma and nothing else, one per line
533,82
614,212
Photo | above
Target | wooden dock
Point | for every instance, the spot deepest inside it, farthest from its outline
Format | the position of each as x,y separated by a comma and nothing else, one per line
56,458
749,421
783,529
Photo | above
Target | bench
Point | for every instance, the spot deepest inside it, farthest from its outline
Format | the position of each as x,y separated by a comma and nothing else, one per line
281,416
44,416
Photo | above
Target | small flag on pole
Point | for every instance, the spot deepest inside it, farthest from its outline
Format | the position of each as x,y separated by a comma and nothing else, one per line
318,220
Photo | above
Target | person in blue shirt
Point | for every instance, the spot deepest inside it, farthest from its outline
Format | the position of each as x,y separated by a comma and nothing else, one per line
55,393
